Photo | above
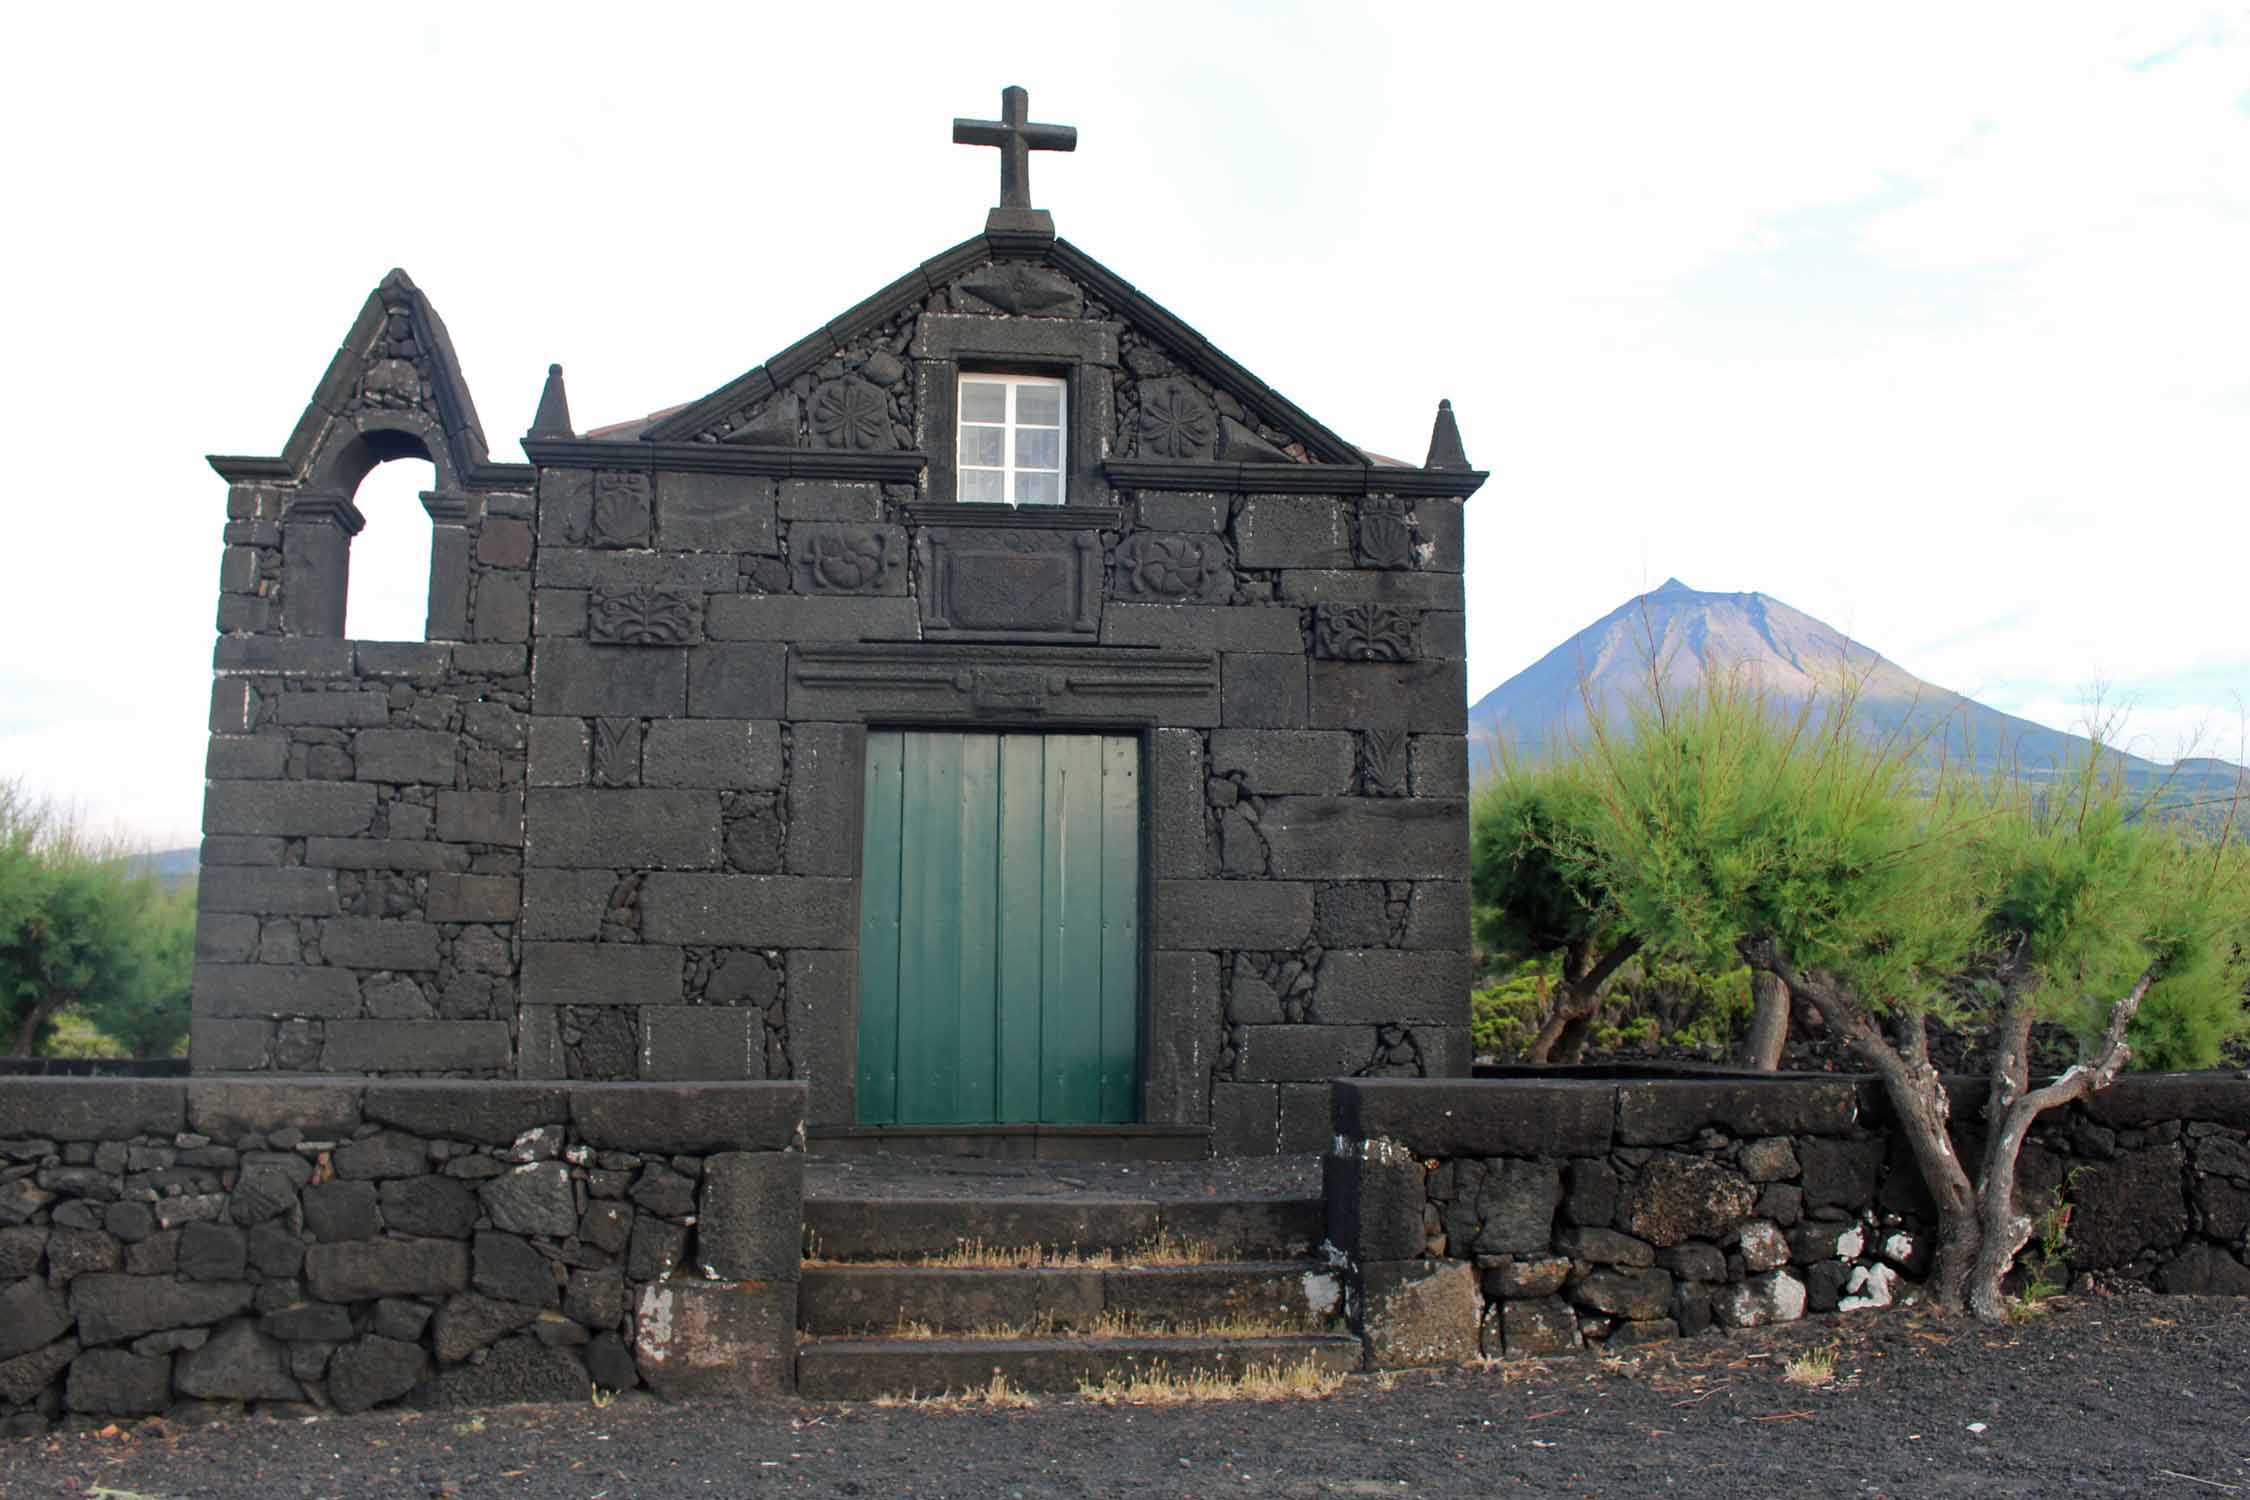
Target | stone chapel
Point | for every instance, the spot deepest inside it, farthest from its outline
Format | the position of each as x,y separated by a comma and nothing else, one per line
999,709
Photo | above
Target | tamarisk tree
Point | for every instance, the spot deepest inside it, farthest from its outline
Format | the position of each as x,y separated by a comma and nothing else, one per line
1885,894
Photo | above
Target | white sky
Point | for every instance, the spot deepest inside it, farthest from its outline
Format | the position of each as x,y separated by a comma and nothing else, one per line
1931,320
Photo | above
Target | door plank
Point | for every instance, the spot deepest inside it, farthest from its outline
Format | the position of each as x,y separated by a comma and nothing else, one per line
1070,1000
877,1098
929,1025
1021,926
1121,929
976,1080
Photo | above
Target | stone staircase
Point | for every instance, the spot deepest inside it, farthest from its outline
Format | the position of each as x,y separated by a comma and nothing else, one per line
919,1297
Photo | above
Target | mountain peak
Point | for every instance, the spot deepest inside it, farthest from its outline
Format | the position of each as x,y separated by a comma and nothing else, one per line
1674,586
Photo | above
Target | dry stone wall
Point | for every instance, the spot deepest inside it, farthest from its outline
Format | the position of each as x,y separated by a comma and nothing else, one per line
1520,1217
295,1245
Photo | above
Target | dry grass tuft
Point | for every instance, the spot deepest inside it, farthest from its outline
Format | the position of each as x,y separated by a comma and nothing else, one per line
1303,1381
1161,1249
1108,1325
1815,1367
996,1395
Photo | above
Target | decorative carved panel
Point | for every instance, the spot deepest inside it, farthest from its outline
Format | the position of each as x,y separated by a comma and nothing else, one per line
837,558
964,682
979,583
1024,289
853,415
1383,762
1172,568
1386,534
621,509
639,616
1364,632
1176,424
617,752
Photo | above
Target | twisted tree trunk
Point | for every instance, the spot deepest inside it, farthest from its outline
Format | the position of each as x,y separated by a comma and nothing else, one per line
1769,1022
35,1023
1586,979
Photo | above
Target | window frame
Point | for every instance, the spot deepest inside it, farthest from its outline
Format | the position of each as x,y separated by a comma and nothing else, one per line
1013,382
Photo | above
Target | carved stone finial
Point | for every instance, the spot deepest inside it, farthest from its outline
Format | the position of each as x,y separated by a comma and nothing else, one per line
1445,442
553,417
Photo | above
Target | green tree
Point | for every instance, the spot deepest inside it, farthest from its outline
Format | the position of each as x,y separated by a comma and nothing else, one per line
81,927
1540,902
1883,894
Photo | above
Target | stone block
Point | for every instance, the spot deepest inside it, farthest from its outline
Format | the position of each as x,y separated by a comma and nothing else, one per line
749,911
750,1215
1183,1037
481,818
602,974
1675,1110
1205,627
623,828
503,607
1272,1054
237,1364
353,709
1539,1326
243,849
1429,696
1376,985
225,1110
823,1014
1167,511
797,617
1245,1119
406,855
682,572
715,513
475,898
733,754
826,792
289,809
1776,1297
1674,1198
1287,762
274,991
1175,800
272,893
735,680
2121,1208
1304,1125
1438,765
406,756
1419,1312
246,757
1292,531
1256,914
115,1383
372,943
416,1046
362,1270
824,500
31,1314
217,1046
1375,1194
1437,915
575,678
113,1306
1262,691
533,1199
716,1340
565,903
1446,1117
515,1370
1366,838
558,752
225,938
689,1117
374,1370
699,1042
433,1207
492,1114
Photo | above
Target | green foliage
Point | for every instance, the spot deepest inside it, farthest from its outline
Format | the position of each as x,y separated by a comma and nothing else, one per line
1504,1014
80,929
1653,1003
1532,890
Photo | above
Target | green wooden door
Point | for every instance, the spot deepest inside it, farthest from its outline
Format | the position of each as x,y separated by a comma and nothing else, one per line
999,943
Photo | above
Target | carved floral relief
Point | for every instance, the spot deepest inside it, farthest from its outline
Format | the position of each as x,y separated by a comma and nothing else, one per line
844,559
621,509
1364,632
1383,762
853,415
1167,568
1175,423
638,616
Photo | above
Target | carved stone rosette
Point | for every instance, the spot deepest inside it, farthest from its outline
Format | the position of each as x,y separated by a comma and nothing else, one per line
835,558
1166,568
1364,632
637,616
853,415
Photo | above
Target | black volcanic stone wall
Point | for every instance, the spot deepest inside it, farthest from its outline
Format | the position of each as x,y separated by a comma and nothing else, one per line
199,1248
1526,1217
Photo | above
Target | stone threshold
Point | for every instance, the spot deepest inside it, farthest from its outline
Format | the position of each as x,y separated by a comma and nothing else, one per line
1019,1142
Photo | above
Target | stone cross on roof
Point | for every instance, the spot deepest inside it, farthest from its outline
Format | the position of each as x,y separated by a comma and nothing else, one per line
1017,138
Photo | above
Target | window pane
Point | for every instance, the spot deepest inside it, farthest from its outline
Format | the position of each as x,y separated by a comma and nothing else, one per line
983,445
1038,448
983,401
983,486
1040,405
1038,489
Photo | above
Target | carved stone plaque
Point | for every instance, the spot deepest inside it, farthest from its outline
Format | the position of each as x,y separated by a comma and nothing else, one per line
981,583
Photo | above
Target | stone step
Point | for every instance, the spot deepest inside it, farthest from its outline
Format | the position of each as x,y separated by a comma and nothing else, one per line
863,1299
860,1369
854,1229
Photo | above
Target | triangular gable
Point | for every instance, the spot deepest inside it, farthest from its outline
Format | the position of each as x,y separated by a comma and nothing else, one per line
394,381
1032,277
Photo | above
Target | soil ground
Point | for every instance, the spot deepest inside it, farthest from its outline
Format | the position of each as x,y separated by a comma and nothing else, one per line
2127,1395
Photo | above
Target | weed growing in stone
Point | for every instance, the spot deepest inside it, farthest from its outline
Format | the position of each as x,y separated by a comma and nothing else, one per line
1303,1380
1815,1367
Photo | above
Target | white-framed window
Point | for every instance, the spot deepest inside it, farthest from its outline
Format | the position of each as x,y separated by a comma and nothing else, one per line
1012,445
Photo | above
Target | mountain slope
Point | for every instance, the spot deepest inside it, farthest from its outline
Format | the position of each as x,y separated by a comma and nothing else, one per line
1783,651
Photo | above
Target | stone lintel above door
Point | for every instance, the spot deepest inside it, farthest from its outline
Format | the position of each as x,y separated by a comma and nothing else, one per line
947,683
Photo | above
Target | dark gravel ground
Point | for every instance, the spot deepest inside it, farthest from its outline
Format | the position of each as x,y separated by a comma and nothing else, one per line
898,1175
2100,1396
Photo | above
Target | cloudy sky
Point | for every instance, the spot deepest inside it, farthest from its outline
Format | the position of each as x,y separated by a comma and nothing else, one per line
1931,320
